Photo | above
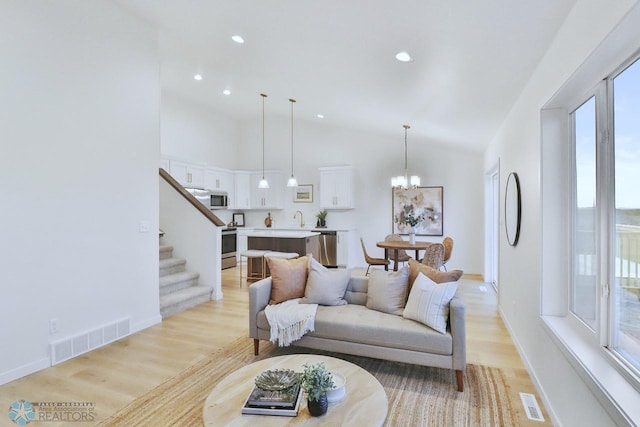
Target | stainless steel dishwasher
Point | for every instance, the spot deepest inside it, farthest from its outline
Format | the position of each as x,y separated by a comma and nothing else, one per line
329,248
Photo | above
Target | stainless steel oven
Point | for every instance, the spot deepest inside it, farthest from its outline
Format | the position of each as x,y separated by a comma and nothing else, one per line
229,247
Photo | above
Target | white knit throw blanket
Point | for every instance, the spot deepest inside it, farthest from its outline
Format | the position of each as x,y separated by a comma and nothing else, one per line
289,320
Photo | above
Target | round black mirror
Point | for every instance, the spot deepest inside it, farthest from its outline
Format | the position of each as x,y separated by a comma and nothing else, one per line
512,209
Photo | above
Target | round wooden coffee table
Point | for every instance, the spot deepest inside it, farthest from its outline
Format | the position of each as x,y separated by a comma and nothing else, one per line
365,403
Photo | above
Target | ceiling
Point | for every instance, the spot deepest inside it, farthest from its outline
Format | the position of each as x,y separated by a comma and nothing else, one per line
471,59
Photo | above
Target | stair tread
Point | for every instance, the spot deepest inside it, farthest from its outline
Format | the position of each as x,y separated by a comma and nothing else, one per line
166,248
170,262
183,294
170,279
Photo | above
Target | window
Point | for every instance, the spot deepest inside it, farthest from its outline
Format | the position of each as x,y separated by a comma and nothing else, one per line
606,214
584,290
625,305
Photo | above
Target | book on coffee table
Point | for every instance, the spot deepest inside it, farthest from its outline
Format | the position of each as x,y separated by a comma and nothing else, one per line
267,402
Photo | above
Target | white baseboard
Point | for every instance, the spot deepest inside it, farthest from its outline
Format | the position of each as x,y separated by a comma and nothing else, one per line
23,371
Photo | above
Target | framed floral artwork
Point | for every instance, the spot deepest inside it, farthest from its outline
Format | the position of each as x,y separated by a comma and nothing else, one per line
419,207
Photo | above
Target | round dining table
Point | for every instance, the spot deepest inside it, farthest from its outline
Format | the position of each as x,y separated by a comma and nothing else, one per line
396,245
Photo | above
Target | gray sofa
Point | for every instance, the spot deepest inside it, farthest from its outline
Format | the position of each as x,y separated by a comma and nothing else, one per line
355,329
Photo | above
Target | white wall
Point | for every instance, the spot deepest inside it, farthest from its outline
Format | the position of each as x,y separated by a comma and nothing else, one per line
196,132
79,152
517,145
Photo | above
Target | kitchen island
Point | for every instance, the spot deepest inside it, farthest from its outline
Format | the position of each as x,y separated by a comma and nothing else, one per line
301,242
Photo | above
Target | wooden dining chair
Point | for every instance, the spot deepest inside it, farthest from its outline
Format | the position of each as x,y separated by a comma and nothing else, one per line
448,247
372,261
434,255
402,254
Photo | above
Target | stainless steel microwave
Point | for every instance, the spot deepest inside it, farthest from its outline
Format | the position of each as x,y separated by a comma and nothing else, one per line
219,200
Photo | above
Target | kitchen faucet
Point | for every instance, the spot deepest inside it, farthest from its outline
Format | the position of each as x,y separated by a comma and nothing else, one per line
301,218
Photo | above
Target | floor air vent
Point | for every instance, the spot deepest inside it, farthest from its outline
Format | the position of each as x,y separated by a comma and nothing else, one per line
70,347
531,407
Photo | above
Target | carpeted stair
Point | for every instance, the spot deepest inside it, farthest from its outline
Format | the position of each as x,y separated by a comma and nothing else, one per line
179,289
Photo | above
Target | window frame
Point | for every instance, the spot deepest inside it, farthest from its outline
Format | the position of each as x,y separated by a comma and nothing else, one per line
605,221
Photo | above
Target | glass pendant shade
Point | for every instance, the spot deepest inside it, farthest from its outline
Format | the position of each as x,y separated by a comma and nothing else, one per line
293,182
263,182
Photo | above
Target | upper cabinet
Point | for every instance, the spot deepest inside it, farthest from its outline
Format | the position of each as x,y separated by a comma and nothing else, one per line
187,174
336,187
267,198
218,180
242,196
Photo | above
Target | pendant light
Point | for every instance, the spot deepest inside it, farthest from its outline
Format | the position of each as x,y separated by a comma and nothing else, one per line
263,182
293,182
403,181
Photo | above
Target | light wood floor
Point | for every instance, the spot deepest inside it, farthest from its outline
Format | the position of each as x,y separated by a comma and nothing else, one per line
116,374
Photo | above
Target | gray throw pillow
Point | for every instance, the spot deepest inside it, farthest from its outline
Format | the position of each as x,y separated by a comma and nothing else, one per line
325,286
388,290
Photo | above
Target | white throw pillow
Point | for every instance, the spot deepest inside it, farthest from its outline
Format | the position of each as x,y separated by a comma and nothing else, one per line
325,286
387,290
429,302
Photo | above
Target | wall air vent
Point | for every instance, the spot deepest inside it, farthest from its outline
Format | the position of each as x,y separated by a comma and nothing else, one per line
531,407
74,346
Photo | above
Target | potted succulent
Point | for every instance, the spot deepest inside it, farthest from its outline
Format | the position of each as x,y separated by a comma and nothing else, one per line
316,382
322,218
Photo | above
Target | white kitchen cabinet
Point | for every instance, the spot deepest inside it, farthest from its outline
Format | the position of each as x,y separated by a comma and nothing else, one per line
218,180
242,195
187,174
336,187
342,255
267,198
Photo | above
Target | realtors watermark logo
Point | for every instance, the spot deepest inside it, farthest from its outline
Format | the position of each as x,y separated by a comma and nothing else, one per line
23,412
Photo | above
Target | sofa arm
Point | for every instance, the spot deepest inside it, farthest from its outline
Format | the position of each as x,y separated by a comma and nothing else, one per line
259,296
458,332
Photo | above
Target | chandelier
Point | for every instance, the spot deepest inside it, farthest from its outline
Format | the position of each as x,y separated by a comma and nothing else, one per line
405,182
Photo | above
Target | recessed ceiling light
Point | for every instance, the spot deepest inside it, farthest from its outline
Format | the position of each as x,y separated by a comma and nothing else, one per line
226,92
403,56
237,39
197,77
320,116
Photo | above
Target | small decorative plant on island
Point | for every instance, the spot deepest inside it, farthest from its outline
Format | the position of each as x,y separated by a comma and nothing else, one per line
316,382
322,218
408,217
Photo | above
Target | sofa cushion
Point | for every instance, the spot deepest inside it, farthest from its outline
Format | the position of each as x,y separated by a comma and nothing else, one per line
388,290
356,323
325,286
289,277
437,276
357,290
429,302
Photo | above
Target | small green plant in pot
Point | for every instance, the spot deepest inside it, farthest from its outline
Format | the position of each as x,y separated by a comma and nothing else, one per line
322,218
316,382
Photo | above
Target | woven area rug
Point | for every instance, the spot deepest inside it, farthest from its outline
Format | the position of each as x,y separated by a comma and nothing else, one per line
417,395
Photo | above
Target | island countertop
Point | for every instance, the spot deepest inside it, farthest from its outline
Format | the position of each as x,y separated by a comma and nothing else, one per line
286,234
